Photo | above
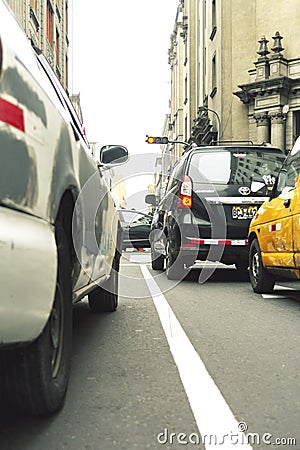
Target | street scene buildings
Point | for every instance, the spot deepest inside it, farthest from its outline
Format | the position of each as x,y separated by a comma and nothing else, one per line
45,22
235,74
235,69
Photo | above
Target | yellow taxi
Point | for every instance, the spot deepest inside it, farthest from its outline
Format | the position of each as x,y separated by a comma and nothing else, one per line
274,232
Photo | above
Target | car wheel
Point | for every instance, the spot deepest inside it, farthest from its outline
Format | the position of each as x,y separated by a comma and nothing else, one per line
262,281
175,269
157,238
157,261
105,297
34,378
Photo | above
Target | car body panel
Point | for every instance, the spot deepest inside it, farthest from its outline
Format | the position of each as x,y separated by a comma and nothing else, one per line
276,226
45,158
27,275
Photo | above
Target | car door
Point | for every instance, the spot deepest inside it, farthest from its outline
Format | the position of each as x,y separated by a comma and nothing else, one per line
280,230
296,223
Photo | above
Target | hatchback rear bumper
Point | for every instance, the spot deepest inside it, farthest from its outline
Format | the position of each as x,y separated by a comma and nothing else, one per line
224,251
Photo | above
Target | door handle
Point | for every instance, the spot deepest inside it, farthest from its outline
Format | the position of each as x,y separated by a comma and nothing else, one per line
287,202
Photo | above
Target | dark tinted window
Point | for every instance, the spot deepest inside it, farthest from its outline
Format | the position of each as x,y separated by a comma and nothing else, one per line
176,175
290,173
240,166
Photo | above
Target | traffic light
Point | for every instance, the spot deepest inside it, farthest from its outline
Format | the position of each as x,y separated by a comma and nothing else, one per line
157,139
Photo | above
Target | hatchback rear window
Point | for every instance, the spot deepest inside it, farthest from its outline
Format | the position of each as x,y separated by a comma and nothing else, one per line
239,166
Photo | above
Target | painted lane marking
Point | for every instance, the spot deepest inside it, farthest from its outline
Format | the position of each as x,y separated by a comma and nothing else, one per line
212,414
278,287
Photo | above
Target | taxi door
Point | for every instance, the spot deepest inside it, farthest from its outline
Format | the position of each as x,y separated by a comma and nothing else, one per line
282,238
277,230
296,223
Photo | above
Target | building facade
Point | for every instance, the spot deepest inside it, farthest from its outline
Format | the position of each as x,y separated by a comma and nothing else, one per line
45,23
235,73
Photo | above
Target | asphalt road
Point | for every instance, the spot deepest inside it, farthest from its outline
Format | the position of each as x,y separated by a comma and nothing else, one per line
177,364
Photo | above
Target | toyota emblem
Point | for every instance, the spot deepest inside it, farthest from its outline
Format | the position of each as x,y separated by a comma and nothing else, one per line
244,190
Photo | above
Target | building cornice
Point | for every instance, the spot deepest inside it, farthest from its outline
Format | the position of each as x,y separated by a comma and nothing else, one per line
283,85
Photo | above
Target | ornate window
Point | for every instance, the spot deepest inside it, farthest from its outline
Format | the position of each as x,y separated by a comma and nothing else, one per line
49,23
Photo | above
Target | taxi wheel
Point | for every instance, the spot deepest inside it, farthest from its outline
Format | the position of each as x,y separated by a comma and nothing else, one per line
261,280
35,376
105,297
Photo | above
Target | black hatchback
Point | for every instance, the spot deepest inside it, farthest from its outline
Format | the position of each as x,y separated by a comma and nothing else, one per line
211,196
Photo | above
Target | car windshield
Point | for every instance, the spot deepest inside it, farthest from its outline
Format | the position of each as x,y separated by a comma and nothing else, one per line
240,166
131,217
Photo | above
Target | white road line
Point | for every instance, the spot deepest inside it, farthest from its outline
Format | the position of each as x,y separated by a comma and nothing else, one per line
215,421
278,287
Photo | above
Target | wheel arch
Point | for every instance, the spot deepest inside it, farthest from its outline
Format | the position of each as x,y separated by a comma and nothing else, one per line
65,218
251,237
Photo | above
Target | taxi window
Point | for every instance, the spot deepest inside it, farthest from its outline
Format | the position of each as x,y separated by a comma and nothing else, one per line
289,174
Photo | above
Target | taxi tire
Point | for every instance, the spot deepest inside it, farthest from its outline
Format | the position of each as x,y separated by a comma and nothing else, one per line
262,281
105,297
36,376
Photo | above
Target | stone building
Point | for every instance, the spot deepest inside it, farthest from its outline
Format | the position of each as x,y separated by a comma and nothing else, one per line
235,73
45,22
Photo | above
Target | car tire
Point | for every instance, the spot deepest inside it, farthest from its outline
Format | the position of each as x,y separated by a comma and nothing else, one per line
157,261
175,269
262,281
105,297
34,378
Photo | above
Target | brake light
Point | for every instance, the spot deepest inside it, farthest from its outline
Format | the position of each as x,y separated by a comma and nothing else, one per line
185,196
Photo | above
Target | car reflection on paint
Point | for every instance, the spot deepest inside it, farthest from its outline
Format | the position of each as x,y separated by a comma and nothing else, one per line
136,227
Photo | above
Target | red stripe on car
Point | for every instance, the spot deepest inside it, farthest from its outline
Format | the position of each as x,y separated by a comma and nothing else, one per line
12,114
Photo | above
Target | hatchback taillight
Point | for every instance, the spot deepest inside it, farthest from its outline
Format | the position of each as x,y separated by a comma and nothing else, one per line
185,195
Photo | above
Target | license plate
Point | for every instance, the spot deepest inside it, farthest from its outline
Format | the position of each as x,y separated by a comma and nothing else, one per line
243,211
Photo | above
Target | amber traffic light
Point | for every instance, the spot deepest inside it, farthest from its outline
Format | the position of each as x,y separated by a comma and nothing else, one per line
157,139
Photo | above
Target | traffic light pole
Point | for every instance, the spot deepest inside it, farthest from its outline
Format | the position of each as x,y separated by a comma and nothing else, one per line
179,142
163,140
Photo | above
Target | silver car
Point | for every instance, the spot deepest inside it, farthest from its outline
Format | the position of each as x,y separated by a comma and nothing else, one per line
59,232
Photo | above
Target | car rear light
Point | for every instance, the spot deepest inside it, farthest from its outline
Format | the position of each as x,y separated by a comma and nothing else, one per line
185,196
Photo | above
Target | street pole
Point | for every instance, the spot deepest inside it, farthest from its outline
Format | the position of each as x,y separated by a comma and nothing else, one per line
205,108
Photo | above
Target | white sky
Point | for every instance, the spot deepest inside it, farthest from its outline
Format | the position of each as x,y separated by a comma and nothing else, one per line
120,68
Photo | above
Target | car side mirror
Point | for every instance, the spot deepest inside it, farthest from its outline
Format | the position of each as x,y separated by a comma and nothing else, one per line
151,199
112,155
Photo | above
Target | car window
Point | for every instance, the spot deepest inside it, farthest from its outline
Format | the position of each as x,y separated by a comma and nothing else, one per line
289,174
134,217
240,166
215,167
175,176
